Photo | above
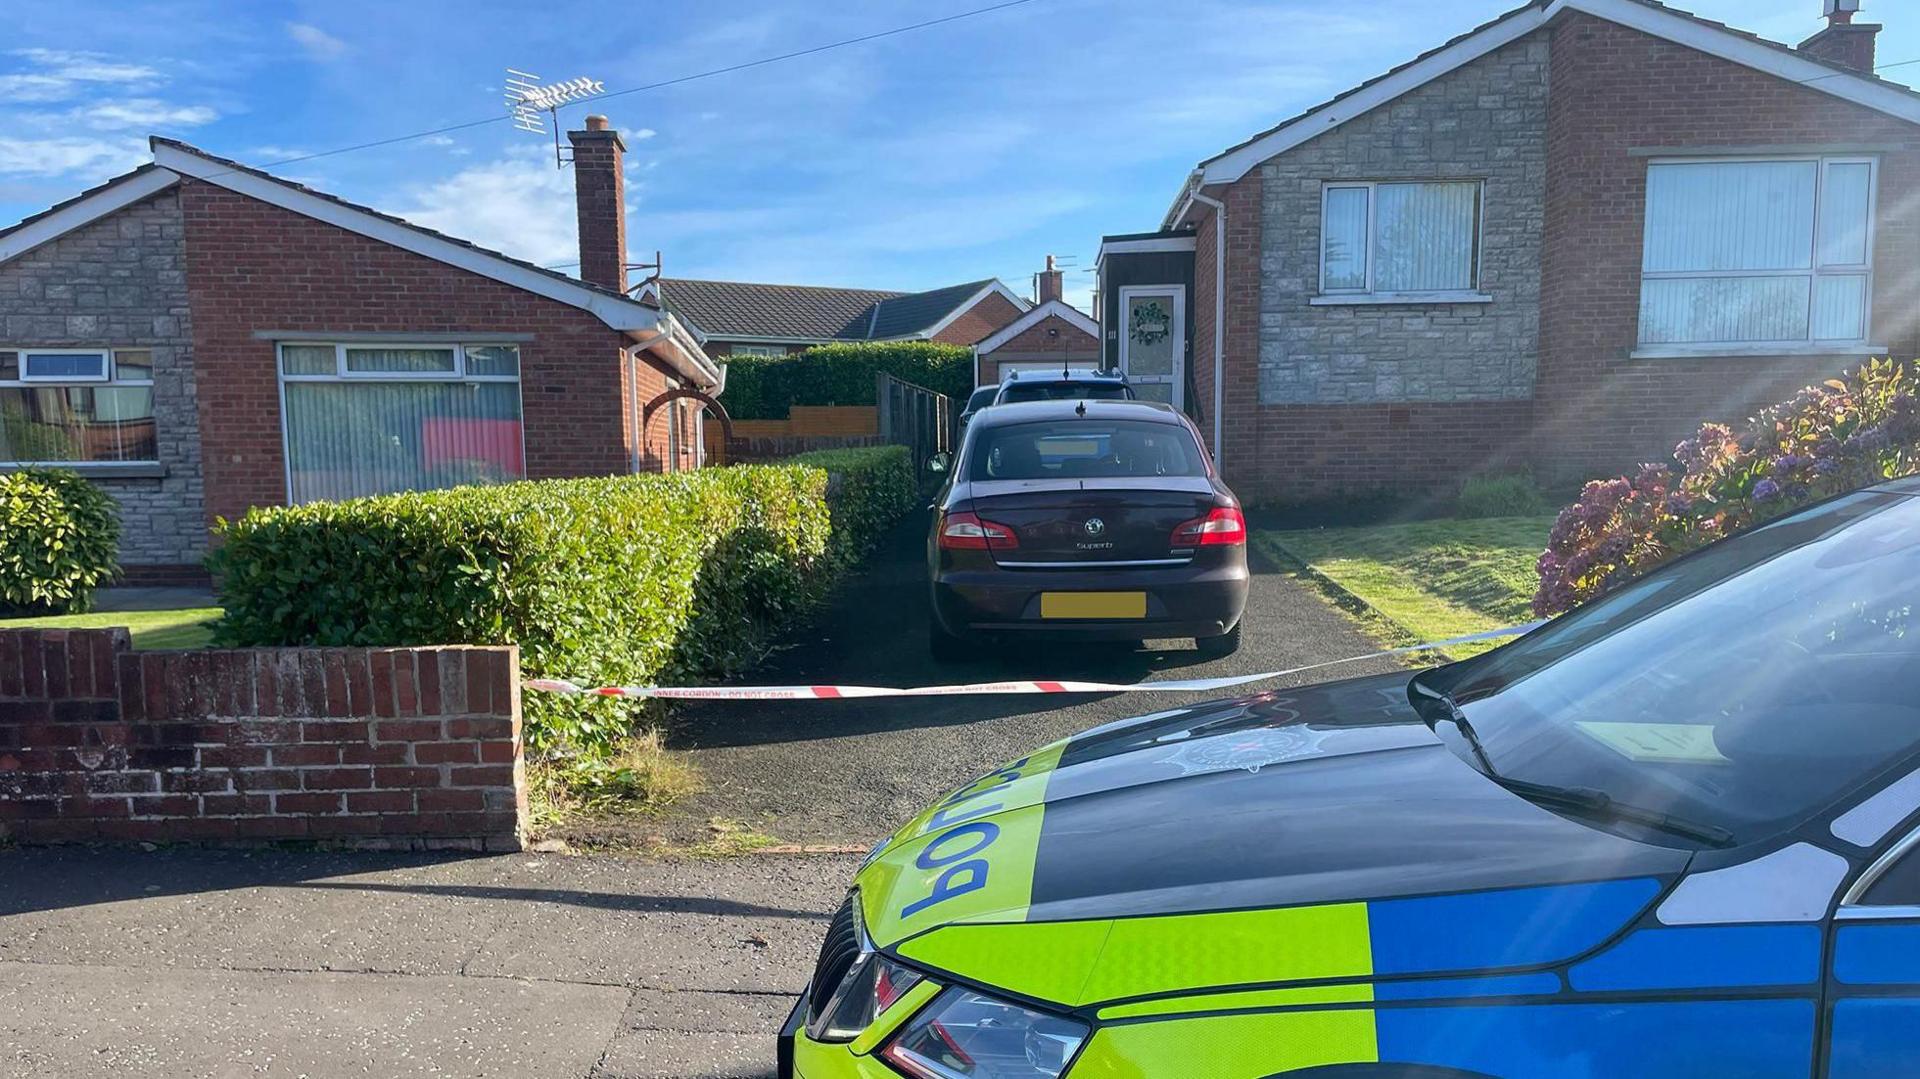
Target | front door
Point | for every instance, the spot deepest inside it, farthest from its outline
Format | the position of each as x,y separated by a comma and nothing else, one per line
1153,342
1873,986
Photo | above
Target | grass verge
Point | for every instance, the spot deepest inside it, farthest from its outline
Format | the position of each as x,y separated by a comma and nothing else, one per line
1423,580
190,627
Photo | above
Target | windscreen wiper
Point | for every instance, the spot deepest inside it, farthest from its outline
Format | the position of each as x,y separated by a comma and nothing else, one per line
1587,800
1598,803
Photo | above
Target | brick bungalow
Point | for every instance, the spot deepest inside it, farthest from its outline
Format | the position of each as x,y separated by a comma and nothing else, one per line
1561,240
201,337
1050,336
737,318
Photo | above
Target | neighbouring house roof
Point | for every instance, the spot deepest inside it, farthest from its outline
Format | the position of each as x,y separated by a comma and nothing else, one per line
746,311
1647,16
173,160
1059,309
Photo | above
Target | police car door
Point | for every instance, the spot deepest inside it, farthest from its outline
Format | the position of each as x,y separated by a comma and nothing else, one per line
1873,966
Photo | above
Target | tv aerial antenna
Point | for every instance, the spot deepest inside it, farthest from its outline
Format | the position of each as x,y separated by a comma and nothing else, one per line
528,97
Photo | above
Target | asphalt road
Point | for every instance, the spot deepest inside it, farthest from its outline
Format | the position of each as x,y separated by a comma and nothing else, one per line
849,771
177,963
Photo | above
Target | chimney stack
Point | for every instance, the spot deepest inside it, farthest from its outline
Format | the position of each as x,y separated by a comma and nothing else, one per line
1844,42
1052,283
599,189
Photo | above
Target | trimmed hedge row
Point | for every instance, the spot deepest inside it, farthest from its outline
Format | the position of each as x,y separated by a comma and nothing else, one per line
628,580
764,387
59,539
867,491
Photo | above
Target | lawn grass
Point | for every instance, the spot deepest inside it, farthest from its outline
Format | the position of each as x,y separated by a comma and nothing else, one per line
1427,580
187,628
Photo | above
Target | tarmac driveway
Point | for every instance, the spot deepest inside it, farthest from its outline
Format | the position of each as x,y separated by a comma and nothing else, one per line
849,771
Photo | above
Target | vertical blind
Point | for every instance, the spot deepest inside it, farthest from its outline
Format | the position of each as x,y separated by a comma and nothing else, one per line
1400,237
381,432
1741,252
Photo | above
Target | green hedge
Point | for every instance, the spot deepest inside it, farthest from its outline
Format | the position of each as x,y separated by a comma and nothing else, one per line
867,491
631,580
58,540
764,387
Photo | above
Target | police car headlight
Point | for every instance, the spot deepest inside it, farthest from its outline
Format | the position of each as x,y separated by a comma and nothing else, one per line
967,1035
853,984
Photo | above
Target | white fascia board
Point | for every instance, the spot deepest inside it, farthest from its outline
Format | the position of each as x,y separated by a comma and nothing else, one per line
1052,308
1141,247
618,314
113,197
953,316
1234,164
1679,29
1770,59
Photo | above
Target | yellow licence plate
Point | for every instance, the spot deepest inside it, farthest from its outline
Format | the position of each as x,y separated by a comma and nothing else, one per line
1093,604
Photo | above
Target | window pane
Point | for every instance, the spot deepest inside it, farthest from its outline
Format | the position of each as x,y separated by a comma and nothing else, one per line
1724,310
493,359
308,360
1344,264
1423,237
1150,338
400,360
132,364
1730,216
1843,213
1840,308
77,424
9,366
56,365
347,439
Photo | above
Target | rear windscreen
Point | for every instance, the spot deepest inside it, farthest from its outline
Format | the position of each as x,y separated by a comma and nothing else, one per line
1065,391
982,397
1081,448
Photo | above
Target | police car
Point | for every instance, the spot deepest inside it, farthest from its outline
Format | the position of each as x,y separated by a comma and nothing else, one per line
1675,833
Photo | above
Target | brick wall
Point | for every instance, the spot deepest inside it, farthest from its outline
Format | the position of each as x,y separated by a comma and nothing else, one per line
1615,90
253,266
121,282
368,747
981,320
1484,122
1052,339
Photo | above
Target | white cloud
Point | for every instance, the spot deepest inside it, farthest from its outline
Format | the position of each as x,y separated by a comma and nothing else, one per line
91,159
35,88
638,134
59,75
319,44
520,204
273,153
143,112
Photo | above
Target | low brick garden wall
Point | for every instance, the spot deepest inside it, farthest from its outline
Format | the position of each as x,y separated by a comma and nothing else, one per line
387,747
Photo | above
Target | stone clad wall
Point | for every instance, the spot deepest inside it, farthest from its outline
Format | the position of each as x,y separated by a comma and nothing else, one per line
401,747
120,282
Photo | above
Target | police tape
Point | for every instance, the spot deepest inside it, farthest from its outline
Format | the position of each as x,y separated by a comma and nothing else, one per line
830,693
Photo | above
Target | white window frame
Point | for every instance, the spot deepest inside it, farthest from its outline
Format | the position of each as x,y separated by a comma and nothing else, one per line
1813,272
763,352
111,381
1335,296
341,374
106,366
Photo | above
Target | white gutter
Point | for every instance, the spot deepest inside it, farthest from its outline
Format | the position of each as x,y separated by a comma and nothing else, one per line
1219,316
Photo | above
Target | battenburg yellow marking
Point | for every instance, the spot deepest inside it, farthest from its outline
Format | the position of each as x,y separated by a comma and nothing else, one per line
1231,1046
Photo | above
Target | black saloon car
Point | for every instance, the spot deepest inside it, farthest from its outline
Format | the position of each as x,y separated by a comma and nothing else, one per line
1090,520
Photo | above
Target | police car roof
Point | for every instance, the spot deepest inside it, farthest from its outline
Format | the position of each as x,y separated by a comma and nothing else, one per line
1071,409
1069,375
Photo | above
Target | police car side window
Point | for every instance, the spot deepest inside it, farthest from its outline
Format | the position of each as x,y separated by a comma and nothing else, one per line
1898,885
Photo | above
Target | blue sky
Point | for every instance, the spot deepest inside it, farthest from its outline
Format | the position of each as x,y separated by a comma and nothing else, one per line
963,151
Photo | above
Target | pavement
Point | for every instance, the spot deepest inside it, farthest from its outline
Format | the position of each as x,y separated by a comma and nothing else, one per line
178,963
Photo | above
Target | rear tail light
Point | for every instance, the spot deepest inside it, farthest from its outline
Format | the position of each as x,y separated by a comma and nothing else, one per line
1224,527
966,532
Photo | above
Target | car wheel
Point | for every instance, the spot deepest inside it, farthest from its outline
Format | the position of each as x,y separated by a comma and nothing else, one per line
1224,645
944,646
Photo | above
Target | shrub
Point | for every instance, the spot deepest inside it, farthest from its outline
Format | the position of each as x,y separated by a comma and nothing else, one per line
1829,439
626,580
867,491
1510,495
763,388
58,540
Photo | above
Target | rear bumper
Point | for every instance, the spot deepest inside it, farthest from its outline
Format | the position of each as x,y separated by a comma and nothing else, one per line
1182,601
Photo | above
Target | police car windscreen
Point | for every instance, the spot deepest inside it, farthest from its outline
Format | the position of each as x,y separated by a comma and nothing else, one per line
1086,449
1065,391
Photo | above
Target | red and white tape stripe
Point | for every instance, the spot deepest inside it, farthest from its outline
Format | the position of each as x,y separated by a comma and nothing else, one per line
831,693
